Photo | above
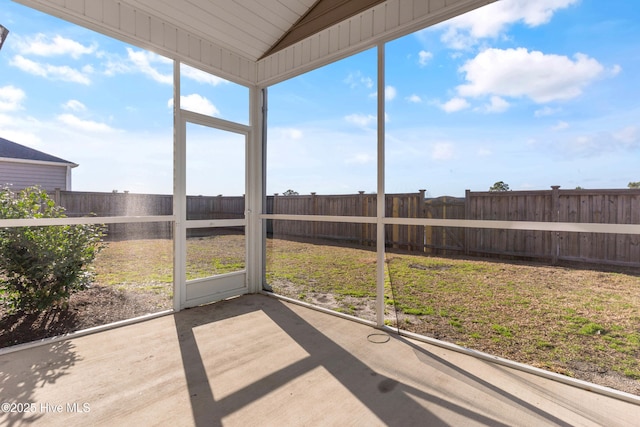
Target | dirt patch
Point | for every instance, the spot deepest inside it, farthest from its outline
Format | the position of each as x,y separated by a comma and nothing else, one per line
96,306
604,377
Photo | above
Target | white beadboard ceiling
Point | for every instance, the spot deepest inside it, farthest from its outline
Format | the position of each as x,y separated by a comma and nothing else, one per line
255,42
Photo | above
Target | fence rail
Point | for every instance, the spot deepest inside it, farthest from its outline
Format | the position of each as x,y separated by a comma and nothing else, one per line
555,205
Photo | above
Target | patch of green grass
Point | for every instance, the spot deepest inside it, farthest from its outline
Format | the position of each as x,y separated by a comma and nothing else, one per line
456,323
544,345
502,330
357,293
421,311
591,328
632,373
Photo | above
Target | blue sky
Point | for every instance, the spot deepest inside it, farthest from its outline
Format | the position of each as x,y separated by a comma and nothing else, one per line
531,93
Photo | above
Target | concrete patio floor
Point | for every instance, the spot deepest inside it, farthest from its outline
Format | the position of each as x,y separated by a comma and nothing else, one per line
259,361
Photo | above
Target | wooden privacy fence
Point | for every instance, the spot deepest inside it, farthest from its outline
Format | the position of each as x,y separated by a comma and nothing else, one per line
399,205
129,204
555,205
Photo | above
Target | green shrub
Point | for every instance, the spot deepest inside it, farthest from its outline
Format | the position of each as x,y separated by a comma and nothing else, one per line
41,266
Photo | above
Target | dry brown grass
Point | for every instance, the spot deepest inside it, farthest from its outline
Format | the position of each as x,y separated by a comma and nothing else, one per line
579,322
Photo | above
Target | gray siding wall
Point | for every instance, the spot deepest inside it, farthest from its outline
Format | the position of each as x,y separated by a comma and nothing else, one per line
21,175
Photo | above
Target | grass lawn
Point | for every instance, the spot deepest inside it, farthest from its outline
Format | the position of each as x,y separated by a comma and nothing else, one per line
147,265
557,318
566,320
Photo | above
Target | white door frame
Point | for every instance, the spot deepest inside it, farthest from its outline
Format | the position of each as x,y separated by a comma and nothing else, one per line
189,293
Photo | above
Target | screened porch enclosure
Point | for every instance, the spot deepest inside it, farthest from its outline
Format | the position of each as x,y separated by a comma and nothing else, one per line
474,273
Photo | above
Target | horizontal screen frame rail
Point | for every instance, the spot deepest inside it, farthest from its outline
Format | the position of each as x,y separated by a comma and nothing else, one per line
575,227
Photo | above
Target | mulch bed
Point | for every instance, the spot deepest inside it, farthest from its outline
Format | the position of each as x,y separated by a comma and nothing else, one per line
96,306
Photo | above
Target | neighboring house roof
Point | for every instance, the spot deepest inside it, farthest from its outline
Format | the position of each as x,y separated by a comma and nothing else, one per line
12,150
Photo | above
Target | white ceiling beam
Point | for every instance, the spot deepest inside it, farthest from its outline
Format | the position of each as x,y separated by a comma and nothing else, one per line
384,22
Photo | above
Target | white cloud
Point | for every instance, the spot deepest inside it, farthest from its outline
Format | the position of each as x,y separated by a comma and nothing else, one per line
546,111
455,104
74,105
424,57
356,79
496,105
615,70
84,125
390,93
360,119
144,61
20,129
291,133
413,98
518,72
52,72
196,103
11,98
595,143
561,125
628,136
20,136
442,151
200,76
43,45
491,21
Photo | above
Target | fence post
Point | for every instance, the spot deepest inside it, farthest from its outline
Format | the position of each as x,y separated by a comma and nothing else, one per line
555,217
444,229
314,211
363,228
420,230
275,211
395,228
56,196
467,215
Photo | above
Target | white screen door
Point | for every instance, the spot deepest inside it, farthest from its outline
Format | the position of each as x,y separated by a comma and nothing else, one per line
211,222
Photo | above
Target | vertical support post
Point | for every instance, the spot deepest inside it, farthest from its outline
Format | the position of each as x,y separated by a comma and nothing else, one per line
255,191
179,195
264,114
380,212
555,217
69,186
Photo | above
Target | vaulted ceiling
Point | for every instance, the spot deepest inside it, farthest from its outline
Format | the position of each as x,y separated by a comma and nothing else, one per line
255,41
